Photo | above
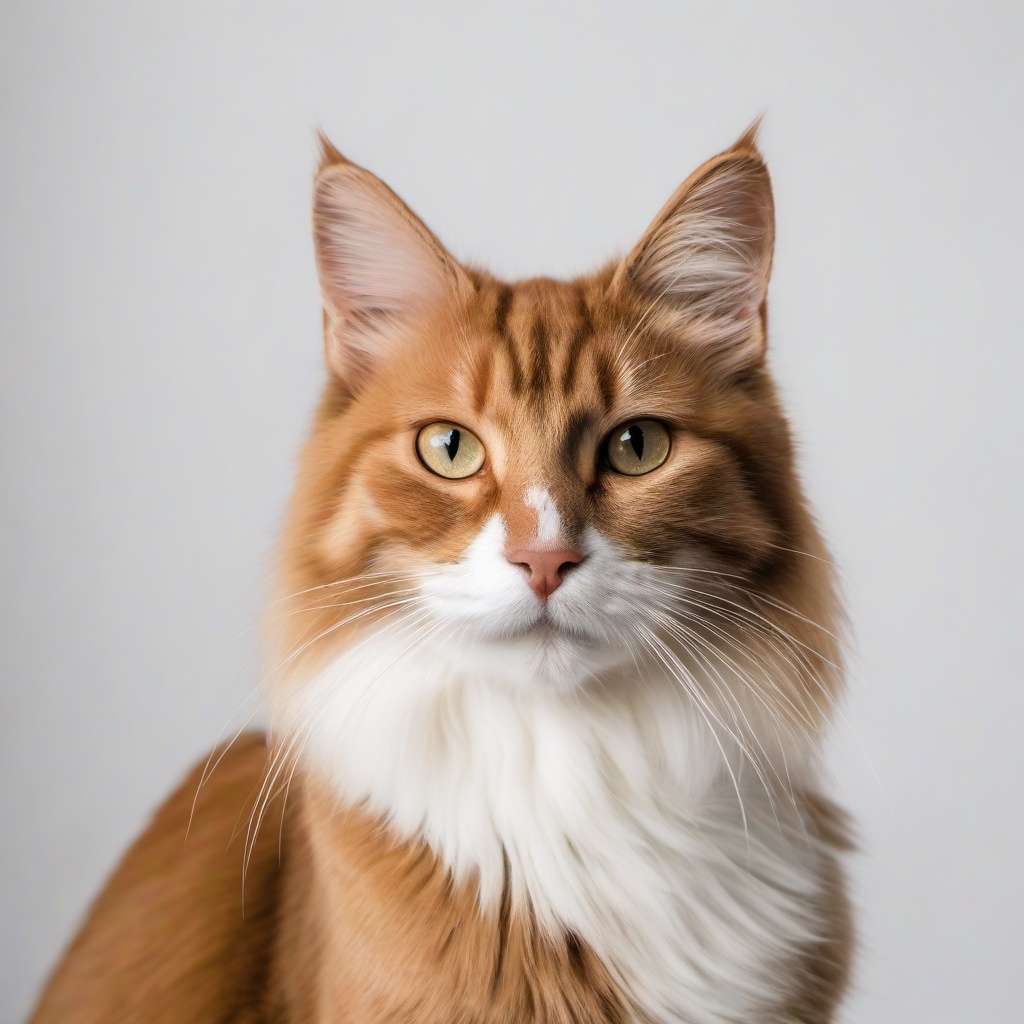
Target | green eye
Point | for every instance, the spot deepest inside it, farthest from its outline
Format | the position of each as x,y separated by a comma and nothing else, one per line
637,447
449,451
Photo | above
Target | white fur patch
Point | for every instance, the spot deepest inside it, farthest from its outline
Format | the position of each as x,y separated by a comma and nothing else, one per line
549,523
503,731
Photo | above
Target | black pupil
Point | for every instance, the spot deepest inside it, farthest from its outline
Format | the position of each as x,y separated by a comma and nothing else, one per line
451,446
635,436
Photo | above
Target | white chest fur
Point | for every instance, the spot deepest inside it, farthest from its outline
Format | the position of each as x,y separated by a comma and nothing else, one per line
611,813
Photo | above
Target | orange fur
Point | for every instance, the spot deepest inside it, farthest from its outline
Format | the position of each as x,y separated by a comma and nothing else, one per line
341,924
354,924
167,939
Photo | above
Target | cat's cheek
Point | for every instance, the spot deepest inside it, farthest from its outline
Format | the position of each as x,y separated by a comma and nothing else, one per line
699,508
626,522
437,521
481,590
346,539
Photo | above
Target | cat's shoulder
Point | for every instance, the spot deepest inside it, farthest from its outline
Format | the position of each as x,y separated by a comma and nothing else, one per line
172,936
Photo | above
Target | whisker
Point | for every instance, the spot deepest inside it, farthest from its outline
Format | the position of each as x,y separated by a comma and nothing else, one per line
342,604
744,648
688,682
208,771
725,692
769,623
367,578
756,595
291,753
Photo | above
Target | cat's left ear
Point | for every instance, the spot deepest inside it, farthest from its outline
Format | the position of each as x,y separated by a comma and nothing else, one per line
704,262
381,269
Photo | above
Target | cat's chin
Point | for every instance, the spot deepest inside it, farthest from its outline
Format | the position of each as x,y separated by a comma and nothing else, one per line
542,657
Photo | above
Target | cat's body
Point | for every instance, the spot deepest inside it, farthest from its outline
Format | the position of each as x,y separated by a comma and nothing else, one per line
550,692
381,936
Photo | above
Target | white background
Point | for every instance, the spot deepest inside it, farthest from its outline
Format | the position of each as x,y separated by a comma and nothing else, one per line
161,355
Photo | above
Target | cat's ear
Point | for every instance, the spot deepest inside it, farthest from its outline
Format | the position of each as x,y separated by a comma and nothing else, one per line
380,268
704,262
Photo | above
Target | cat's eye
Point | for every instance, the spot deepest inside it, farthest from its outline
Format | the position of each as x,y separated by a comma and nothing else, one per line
637,447
449,451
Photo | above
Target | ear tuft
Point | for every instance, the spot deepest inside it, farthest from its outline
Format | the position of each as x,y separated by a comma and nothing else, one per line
747,142
705,260
328,154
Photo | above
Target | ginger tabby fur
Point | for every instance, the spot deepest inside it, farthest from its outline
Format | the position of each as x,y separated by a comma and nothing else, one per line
441,720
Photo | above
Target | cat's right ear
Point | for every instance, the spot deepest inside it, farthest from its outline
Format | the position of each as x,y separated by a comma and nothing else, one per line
380,268
703,264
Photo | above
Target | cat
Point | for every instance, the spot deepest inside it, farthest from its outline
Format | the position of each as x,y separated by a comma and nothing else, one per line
555,648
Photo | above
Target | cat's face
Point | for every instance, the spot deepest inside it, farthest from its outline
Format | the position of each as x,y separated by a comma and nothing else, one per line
548,480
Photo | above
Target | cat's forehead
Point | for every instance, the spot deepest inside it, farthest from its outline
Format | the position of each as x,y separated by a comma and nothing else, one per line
536,344
557,351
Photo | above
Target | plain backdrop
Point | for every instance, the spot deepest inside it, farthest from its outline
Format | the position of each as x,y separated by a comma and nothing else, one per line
160,333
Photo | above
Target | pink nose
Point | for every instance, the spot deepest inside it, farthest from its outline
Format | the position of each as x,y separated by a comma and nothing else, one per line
546,569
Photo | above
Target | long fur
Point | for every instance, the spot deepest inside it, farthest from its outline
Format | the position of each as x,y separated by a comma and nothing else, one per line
595,800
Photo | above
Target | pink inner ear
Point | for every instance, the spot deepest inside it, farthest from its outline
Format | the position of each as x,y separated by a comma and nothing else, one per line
706,260
379,268
370,256
710,250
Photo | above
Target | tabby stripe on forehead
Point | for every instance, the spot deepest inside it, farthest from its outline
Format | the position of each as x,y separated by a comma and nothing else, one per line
605,379
583,330
501,311
539,337
481,383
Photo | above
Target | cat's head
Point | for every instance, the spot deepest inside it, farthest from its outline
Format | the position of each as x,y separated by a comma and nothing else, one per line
547,482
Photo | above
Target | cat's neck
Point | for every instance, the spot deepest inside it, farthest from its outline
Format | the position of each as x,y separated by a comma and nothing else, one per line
616,813
478,768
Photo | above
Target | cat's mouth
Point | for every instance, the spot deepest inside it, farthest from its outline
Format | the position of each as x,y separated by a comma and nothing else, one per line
545,630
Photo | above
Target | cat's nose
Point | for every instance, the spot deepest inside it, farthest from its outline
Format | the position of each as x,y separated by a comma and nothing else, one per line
545,568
